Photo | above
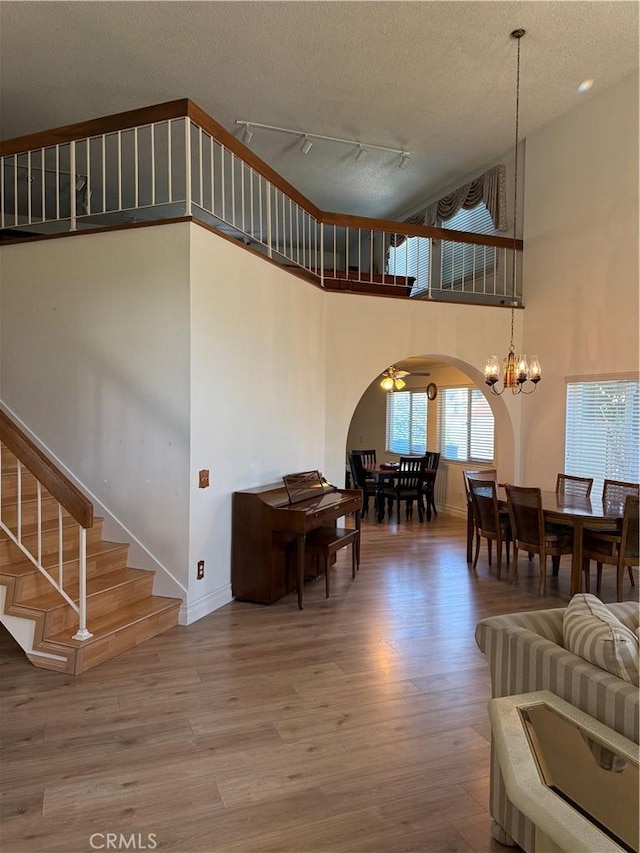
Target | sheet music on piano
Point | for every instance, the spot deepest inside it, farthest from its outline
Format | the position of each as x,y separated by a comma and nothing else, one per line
306,485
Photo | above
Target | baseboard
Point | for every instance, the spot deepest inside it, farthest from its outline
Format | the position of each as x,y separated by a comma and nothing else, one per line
190,613
458,512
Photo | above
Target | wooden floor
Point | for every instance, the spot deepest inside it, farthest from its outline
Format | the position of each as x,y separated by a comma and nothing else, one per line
358,724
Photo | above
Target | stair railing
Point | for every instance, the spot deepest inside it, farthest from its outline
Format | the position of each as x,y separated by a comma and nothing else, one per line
173,162
16,448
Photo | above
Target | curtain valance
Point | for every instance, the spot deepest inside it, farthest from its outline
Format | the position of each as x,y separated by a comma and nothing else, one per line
489,188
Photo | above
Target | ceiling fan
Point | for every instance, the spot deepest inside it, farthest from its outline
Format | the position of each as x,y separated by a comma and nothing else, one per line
393,378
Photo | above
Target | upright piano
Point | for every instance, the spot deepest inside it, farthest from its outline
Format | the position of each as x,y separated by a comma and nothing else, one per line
269,527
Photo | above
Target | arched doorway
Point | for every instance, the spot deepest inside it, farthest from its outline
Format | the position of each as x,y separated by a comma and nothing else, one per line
449,378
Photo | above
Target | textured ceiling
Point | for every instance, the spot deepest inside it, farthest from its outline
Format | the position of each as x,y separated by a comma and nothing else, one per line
436,78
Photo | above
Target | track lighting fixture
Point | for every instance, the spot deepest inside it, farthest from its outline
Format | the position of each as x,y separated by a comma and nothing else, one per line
363,148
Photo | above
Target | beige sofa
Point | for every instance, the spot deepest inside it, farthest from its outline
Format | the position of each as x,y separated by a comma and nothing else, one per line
525,653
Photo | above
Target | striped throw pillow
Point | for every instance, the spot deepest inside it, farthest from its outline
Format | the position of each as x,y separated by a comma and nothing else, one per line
592,632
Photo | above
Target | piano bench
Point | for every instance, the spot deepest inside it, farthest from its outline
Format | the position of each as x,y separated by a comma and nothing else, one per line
324,542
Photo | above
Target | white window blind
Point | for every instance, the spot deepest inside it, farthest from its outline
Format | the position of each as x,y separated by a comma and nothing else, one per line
411,259
466,425
407,422
602,431
461,262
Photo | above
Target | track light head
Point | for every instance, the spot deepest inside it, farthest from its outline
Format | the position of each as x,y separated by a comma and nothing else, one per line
306,140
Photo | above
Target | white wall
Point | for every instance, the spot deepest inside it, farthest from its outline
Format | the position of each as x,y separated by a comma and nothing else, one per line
95,361
581,260
257,392
367,334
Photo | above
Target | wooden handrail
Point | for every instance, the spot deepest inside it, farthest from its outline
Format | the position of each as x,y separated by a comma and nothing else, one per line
54,481
198,115
182,108
95,127
395,227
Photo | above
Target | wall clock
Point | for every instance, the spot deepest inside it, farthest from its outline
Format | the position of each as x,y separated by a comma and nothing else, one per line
432,390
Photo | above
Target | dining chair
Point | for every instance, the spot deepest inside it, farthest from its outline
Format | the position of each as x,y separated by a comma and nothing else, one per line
324,542
615,548
491,524
576,487
480,474
429,485
407,486
568,486
368,487
368,457
614,494
531,533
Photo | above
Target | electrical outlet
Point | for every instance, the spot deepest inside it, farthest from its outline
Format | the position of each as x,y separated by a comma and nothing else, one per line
203,478
200,573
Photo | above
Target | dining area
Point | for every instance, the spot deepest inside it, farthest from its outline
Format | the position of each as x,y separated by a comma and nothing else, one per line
394,486
570,521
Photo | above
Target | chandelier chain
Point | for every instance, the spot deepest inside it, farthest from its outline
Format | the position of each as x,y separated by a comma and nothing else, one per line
516,34
516,371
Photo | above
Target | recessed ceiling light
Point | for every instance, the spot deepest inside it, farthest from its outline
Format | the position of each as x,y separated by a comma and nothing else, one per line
585,85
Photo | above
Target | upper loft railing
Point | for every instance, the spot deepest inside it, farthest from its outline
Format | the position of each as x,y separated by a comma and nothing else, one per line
173,161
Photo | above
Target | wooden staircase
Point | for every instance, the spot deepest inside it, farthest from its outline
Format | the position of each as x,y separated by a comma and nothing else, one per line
122,611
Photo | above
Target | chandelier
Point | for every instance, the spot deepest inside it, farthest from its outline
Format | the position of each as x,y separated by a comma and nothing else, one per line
516,370
392,379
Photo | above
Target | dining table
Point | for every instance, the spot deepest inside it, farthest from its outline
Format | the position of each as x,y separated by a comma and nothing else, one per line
578,513
384,473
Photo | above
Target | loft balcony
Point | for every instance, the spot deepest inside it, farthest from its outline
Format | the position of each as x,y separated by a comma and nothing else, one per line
174,162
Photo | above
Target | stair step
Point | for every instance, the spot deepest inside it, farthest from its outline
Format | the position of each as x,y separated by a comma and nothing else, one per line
114,633
102,557
104,593
30,527
28,483
9,552
48,510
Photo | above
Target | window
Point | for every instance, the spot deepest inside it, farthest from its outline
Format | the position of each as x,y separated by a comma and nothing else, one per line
407,422
602,431
455,263
461,262
466,425
411,258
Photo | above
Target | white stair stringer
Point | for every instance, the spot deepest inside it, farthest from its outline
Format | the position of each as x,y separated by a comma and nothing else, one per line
22,629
